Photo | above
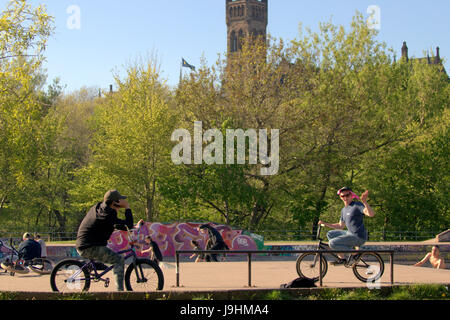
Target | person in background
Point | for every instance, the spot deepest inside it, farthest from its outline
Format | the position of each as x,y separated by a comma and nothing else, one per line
155,253
436,261
41,241
215,240
200,256
29,249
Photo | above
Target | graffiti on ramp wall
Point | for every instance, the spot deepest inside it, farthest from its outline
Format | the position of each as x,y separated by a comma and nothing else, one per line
5,250
177,236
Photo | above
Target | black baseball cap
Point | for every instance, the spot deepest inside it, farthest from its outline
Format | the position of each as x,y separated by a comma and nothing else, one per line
113,195
344,189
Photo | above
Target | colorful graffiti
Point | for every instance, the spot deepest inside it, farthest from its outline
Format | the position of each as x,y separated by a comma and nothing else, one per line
62,251
177,236
5,250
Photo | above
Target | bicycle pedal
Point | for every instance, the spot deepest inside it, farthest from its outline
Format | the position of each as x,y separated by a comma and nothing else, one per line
106,282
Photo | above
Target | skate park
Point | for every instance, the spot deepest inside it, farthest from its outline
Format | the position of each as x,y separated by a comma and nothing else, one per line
236,277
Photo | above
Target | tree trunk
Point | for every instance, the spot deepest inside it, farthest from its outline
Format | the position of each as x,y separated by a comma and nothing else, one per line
61,229
150,205
2,203
149,209
385,224
319,208
259,213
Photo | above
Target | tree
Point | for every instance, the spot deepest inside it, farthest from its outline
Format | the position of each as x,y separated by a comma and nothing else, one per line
357,104
131,130
410,180
25,31
243,92
336,96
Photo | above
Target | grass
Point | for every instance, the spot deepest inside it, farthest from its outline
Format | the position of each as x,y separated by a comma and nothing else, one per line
406,292
410,292
61,242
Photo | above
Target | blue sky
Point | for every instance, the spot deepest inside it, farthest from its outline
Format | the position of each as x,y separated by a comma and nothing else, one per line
114,32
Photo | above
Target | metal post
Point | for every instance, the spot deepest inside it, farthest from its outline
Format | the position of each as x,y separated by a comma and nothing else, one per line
249,269
177,257
392,267
320,269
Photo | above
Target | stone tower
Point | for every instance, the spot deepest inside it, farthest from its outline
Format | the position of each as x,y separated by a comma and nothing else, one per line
244,18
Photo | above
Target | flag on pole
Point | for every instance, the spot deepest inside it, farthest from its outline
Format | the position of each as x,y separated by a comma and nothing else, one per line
187,65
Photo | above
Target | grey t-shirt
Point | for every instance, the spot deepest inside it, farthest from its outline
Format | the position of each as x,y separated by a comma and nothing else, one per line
353,217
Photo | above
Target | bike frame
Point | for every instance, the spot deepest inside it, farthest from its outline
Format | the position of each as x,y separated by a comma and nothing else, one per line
324,246
97,276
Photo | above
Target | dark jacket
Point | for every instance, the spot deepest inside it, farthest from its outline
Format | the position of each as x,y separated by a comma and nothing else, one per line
29,249
157,253
98,225
213,234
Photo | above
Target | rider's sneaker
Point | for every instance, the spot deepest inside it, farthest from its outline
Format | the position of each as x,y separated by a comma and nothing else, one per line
339,262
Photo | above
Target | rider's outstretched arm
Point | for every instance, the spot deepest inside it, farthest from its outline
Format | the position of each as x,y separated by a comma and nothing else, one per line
425,259
339,225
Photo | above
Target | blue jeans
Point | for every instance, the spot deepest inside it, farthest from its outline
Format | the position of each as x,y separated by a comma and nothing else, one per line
343,240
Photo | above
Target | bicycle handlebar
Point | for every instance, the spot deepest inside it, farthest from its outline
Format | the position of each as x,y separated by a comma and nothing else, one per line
130,232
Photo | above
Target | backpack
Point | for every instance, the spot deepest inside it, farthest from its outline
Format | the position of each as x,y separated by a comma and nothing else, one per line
301,282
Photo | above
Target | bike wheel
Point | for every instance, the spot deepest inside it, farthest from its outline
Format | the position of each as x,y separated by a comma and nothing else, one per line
70,276
308,266
144,275
41,266
369,267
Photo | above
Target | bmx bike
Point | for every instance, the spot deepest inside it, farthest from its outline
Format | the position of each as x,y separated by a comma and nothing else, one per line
15,265
367,266
73,275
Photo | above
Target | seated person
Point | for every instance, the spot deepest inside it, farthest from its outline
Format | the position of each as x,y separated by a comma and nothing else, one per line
435,260
29,248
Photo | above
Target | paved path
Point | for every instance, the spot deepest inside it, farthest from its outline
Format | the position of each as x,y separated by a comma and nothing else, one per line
234,276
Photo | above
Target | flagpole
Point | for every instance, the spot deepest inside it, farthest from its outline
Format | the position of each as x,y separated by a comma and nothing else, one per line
181,68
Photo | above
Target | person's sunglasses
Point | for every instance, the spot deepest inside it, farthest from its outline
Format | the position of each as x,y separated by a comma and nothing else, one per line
345,195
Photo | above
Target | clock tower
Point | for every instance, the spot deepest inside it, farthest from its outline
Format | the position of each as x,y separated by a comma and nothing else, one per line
245,18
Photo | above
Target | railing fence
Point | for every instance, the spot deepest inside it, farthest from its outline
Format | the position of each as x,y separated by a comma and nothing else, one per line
269,235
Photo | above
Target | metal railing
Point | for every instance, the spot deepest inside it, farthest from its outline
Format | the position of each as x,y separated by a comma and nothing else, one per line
374,235
269,235
249,254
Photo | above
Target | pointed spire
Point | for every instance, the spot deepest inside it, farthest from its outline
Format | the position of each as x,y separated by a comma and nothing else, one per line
437,59
405,51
